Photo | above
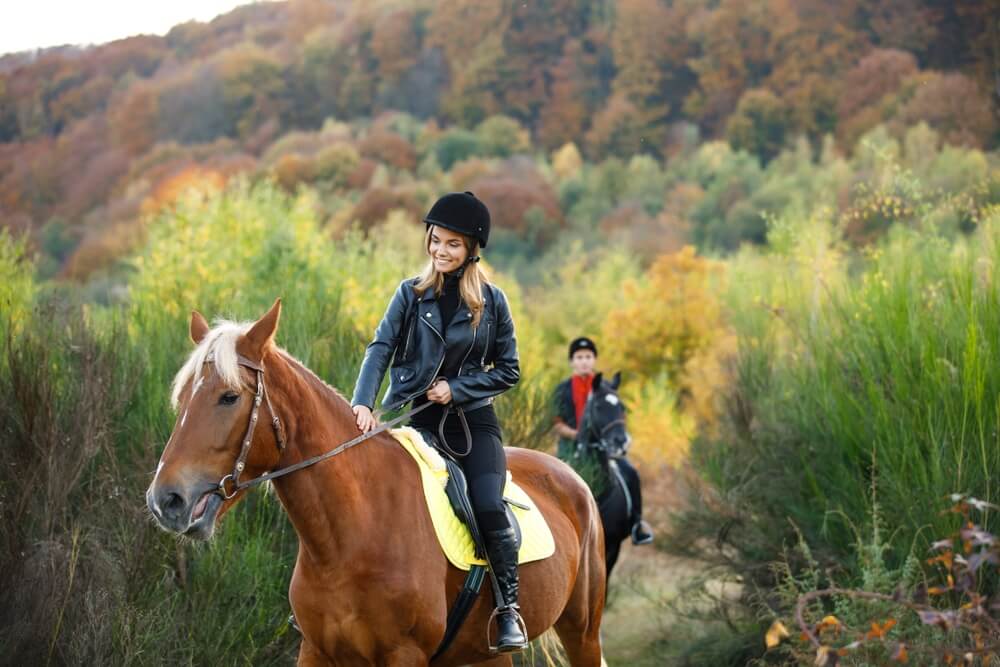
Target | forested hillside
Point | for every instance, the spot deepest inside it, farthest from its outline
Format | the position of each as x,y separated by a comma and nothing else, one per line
91,138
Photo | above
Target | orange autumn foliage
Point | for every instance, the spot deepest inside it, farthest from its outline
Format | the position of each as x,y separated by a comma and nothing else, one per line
193,179
669,317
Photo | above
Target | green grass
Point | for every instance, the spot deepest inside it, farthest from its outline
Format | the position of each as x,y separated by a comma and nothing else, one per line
859,380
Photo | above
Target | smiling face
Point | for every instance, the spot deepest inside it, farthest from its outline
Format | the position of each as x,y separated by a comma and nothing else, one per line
448,250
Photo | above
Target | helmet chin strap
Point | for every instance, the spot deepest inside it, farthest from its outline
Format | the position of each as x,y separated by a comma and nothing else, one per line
460,271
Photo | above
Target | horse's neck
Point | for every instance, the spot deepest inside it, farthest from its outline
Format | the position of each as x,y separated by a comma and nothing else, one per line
326,502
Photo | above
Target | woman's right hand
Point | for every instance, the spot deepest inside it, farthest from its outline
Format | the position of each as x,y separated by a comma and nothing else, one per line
365,419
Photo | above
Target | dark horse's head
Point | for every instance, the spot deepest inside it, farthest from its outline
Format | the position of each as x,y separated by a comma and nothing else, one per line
602,426
215,394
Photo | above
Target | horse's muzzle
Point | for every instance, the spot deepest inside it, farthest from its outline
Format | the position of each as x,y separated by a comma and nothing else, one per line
186,511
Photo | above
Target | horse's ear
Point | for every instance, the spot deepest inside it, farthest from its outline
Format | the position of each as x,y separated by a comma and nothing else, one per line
261,333
597,382
616,380
199,327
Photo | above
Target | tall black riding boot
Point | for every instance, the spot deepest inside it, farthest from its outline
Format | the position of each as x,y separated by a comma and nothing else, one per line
501,550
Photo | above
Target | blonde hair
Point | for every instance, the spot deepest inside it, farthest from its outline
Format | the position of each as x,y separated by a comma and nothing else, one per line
470,285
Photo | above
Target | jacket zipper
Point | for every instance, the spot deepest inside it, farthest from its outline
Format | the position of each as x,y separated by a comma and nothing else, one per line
486,346
409,337
434,376
469,351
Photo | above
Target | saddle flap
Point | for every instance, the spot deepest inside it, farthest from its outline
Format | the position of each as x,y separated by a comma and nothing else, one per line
457,490
446,493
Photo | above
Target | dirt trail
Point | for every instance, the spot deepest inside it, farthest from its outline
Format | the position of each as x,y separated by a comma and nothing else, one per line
635,618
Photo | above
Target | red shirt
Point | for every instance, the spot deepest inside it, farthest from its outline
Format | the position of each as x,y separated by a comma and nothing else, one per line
580,385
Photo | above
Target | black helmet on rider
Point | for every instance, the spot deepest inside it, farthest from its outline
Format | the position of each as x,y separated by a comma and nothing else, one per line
461,212
582,343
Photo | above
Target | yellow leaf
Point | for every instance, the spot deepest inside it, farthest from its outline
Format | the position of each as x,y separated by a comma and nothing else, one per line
775,634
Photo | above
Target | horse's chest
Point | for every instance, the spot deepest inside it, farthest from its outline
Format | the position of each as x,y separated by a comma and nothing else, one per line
355,619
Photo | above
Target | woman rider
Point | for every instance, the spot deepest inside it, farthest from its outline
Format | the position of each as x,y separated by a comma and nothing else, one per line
450,338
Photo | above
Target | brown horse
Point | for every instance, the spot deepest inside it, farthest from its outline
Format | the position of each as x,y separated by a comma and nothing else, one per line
371,584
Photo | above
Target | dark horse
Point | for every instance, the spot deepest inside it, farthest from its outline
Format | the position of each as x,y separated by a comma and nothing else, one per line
604,439
371,585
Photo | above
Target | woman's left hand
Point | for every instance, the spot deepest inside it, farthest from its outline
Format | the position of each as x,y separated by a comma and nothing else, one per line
439,393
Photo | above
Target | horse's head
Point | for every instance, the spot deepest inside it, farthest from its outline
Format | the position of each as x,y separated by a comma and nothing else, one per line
217,399
603,422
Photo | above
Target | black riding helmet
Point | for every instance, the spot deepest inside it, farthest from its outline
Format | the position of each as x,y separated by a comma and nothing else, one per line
582,343
461,212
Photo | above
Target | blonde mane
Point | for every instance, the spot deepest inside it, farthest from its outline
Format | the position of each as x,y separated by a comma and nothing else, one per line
220,343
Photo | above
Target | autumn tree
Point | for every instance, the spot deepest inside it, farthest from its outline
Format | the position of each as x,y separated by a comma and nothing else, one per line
670,316
619,129
650,54
253,88
389,148
564,116
470,34
378,201
133,118
952,104
521,203
759,125
733,43
533,46
866,86
502,136
395,44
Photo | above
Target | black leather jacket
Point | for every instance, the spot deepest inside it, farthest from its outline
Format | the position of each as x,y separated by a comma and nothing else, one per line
410,335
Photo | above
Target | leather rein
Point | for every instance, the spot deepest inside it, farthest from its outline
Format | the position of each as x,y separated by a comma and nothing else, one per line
233,478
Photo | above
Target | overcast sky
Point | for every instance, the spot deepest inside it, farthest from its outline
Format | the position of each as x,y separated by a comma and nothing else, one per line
31,24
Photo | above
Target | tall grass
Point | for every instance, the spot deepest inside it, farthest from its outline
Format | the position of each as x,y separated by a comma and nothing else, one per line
85,577
859,379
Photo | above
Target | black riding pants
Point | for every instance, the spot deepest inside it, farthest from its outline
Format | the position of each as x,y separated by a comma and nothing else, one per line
485,466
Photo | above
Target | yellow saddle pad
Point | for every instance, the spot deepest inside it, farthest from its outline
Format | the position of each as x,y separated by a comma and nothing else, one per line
456,541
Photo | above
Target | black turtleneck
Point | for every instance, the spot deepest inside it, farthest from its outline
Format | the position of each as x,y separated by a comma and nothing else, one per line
448,299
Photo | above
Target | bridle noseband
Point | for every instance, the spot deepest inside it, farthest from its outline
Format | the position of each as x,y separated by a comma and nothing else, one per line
279,435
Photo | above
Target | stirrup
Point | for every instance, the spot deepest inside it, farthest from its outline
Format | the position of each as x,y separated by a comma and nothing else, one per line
295,625
493,648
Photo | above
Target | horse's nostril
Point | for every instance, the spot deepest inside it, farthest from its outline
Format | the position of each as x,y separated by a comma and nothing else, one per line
171,503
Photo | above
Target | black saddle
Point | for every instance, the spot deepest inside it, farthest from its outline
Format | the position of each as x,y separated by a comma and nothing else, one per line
457,490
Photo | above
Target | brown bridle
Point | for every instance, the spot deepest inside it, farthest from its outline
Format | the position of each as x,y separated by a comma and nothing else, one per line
279,436
262,395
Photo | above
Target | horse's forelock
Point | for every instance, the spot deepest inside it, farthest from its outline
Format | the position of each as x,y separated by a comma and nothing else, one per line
220,342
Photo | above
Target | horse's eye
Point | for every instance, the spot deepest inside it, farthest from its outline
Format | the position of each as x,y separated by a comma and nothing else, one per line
228,398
